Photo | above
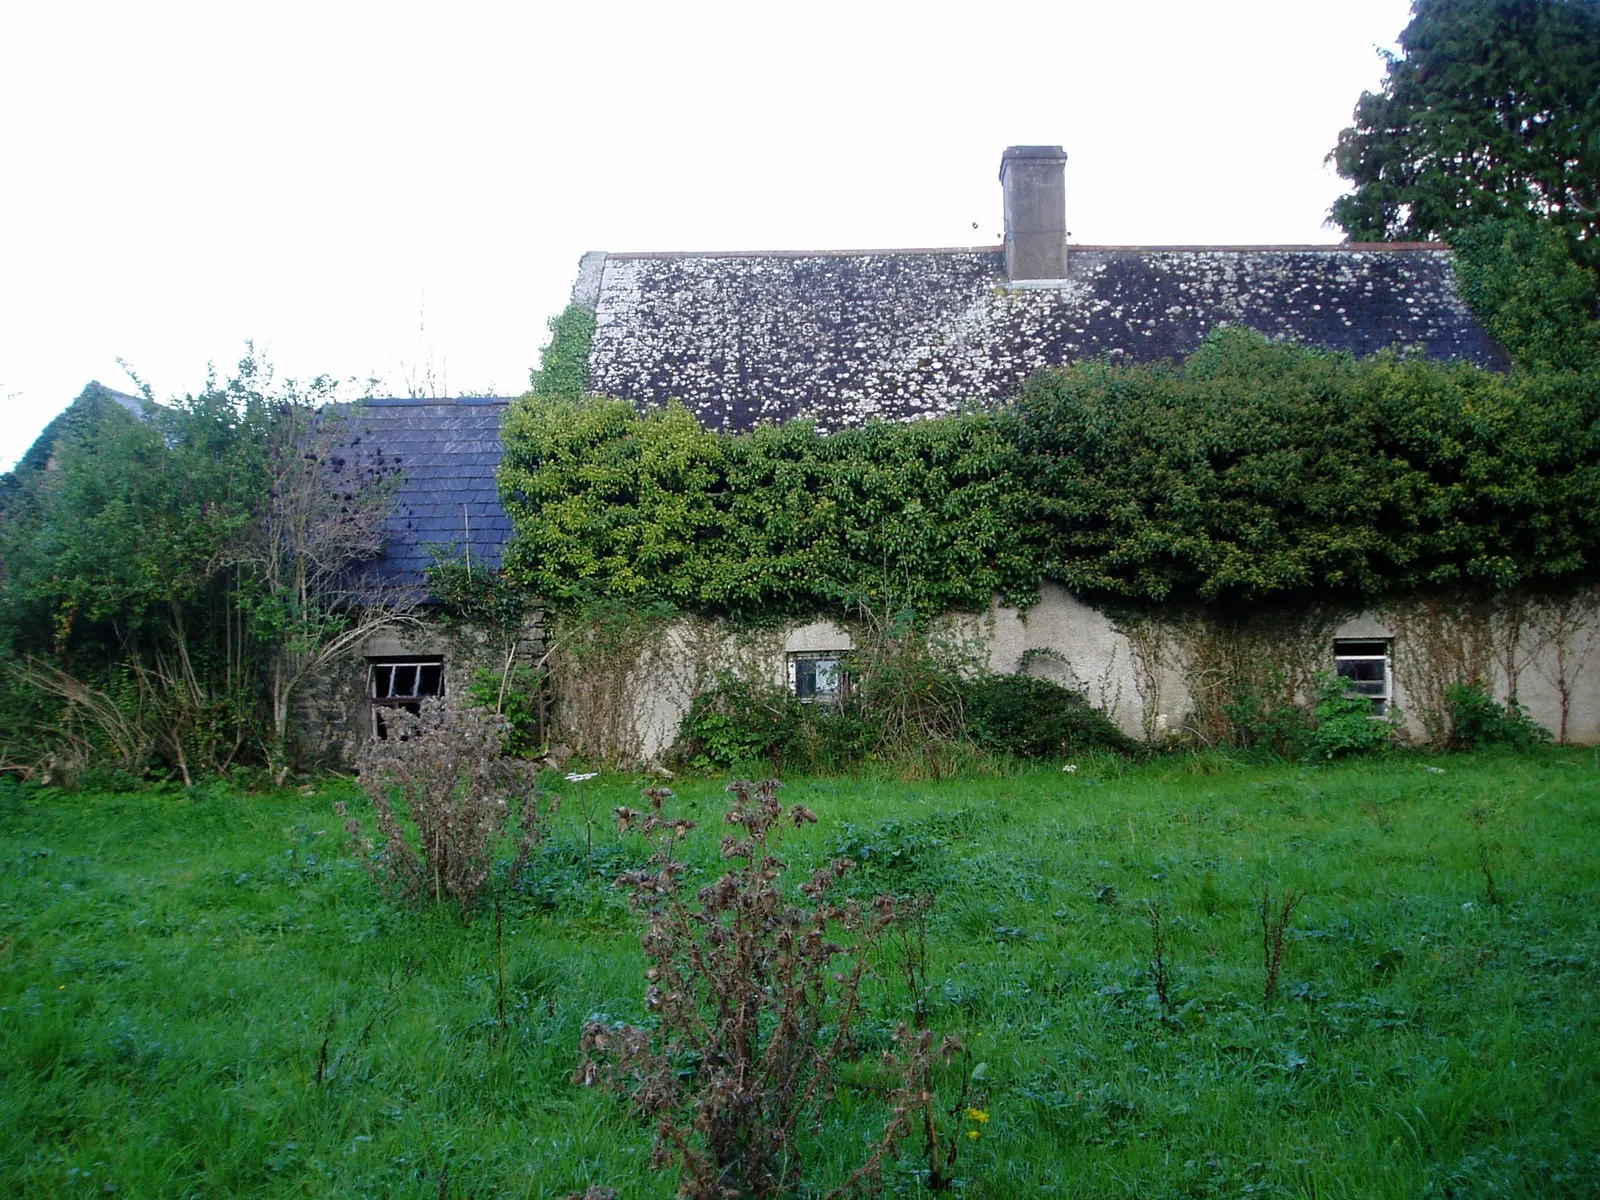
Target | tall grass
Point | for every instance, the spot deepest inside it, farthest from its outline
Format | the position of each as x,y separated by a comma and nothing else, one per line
201,993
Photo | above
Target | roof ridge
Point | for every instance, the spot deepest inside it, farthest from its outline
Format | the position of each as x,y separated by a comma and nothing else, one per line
1329,247
426,402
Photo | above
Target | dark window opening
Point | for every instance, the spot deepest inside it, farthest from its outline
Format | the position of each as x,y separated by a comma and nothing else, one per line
401,683
819,678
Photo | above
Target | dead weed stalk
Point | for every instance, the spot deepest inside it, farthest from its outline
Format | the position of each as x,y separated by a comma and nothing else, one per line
444,769
1275,917
755,995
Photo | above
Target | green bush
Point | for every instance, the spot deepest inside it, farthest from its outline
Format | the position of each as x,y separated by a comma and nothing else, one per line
1344,722
519,700
1266,723
1477,720
833,738
738,721
1035,718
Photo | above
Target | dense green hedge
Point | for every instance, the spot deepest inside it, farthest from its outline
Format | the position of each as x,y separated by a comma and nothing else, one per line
1262,469
610,502
1253,470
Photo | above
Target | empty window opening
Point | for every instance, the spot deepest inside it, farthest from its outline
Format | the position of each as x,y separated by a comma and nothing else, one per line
818,678
1366,668
401,683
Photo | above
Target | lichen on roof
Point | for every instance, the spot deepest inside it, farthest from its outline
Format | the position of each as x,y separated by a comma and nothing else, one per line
845,338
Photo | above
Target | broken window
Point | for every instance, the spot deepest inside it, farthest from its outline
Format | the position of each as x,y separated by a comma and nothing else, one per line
401,683
818,678
1366,669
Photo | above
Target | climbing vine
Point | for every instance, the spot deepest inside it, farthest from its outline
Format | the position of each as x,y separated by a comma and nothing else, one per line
1255,470
564,364
612,503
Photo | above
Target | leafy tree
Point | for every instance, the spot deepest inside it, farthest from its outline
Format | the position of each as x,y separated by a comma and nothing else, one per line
1490,112
164,577
318,519
116,604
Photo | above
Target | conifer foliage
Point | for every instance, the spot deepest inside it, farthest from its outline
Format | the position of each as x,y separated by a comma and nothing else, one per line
1490,111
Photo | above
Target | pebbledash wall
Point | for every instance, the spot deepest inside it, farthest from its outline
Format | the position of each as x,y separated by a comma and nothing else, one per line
1162,675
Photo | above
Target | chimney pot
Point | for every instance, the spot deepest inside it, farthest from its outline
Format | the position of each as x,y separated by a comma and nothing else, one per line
1033,180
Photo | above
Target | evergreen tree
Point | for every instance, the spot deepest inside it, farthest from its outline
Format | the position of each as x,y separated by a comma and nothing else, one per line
1490,112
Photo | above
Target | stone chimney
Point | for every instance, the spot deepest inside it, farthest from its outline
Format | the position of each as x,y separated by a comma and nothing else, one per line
1033,179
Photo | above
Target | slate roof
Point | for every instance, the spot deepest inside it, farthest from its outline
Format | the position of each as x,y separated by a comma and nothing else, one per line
447,452
847,337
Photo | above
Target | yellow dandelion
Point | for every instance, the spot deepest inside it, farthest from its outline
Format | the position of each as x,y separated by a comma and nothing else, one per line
974,1134
980,1115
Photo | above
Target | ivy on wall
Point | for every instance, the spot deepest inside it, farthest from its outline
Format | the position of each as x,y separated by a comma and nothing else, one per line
1254,470
1263,469
609,502
564,363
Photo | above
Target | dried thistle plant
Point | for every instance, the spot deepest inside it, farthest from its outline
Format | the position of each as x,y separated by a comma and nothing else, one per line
754,1001
1160,970
443,768
1275,916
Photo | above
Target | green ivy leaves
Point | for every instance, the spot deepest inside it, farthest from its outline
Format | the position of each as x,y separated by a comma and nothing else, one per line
1254,470
610,502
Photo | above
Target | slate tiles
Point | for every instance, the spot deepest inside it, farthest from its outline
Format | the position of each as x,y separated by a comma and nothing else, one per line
845,338
448,453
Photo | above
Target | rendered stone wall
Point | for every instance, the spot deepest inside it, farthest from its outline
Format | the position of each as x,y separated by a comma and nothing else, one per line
334,715
1147,674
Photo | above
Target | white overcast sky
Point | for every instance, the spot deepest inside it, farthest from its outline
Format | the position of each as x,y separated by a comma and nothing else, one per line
377,189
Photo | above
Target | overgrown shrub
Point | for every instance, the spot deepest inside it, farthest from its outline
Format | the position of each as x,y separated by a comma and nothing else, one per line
753,995
909,708
1477,720
833,738
739,720
908,680
1262,721
1345,724
446,799
517,695
1036,718
171,576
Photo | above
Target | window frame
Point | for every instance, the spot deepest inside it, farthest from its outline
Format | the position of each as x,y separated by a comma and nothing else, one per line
1378,650
410,700
841,688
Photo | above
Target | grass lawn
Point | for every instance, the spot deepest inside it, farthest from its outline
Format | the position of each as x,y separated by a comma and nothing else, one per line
202,995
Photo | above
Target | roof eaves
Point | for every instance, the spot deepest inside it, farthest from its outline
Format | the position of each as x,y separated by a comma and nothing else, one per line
669,254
